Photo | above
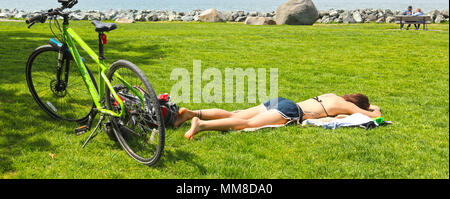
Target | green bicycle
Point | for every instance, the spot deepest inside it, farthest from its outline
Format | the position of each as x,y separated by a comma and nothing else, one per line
123,93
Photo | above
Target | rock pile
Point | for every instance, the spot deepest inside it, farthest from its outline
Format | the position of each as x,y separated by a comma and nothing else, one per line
372,15
326,16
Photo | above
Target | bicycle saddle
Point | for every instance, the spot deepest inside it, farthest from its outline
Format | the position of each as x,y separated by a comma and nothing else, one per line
103,27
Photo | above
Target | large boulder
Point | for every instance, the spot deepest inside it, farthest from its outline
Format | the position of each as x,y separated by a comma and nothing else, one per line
255,14
390,19
269,14
211,15
439,19
326,19
434,14
5,15
357,17
173,16
389,13
151,17
124,20
338,20
163,17
230,15
334,13
187,18
372,17
347,17
445,13
380,20
94,16
297,12
323,13
110,14
260,21
20,15
240,19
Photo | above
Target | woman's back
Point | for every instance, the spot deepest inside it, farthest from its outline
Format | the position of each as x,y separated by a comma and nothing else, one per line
321,106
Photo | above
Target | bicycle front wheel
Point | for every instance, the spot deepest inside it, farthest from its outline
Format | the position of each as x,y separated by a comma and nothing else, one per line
141,131
57,86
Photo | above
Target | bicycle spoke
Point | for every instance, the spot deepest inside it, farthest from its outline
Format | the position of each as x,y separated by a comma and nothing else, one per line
57,97
141,127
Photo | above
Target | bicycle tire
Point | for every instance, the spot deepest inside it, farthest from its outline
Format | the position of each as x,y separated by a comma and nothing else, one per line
123,133
48,107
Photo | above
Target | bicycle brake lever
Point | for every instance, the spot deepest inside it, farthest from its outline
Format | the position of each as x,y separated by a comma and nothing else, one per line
29,26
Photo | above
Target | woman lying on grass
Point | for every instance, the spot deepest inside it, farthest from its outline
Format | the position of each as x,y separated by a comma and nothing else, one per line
275,112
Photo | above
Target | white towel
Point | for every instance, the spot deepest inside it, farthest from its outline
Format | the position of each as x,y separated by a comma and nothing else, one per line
356,119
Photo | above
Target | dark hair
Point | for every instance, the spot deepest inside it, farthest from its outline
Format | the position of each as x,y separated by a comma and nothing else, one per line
409,7
358,99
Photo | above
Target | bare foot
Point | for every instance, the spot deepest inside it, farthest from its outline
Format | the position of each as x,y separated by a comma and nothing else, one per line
183,115
194,128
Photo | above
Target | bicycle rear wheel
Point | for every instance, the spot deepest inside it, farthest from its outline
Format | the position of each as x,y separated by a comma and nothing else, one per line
141,131
57,88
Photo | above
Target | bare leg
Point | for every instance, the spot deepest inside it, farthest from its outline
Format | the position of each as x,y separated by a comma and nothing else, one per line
267,118
183,115
249,113
214,114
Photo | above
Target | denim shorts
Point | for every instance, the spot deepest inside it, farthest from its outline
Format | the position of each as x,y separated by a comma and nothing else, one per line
288,109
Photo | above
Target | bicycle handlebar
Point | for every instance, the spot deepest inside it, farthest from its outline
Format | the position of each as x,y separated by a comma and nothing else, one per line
43,17
68,3
52,12
36,19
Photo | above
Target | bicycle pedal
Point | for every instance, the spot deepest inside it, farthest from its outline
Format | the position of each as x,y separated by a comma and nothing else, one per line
81,130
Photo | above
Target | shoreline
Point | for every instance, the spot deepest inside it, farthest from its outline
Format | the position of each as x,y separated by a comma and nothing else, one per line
325,16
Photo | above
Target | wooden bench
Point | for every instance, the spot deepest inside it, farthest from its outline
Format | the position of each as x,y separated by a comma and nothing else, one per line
408,19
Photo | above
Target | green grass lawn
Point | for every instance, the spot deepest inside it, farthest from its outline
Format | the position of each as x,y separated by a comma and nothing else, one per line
406,73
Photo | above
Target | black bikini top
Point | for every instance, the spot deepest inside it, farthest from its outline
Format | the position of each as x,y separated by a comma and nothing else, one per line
320,101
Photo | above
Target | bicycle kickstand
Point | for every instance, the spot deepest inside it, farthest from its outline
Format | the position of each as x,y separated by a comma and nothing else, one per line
95,131
83,129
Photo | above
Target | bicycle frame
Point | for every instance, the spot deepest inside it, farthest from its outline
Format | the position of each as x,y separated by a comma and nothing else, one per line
71,38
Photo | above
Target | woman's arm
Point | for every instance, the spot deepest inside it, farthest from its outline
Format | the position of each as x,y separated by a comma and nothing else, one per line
352,109
373,108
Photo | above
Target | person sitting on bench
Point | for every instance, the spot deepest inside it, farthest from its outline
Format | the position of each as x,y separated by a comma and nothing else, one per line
407,12
418,13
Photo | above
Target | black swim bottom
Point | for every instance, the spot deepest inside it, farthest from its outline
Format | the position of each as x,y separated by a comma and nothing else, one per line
288,109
